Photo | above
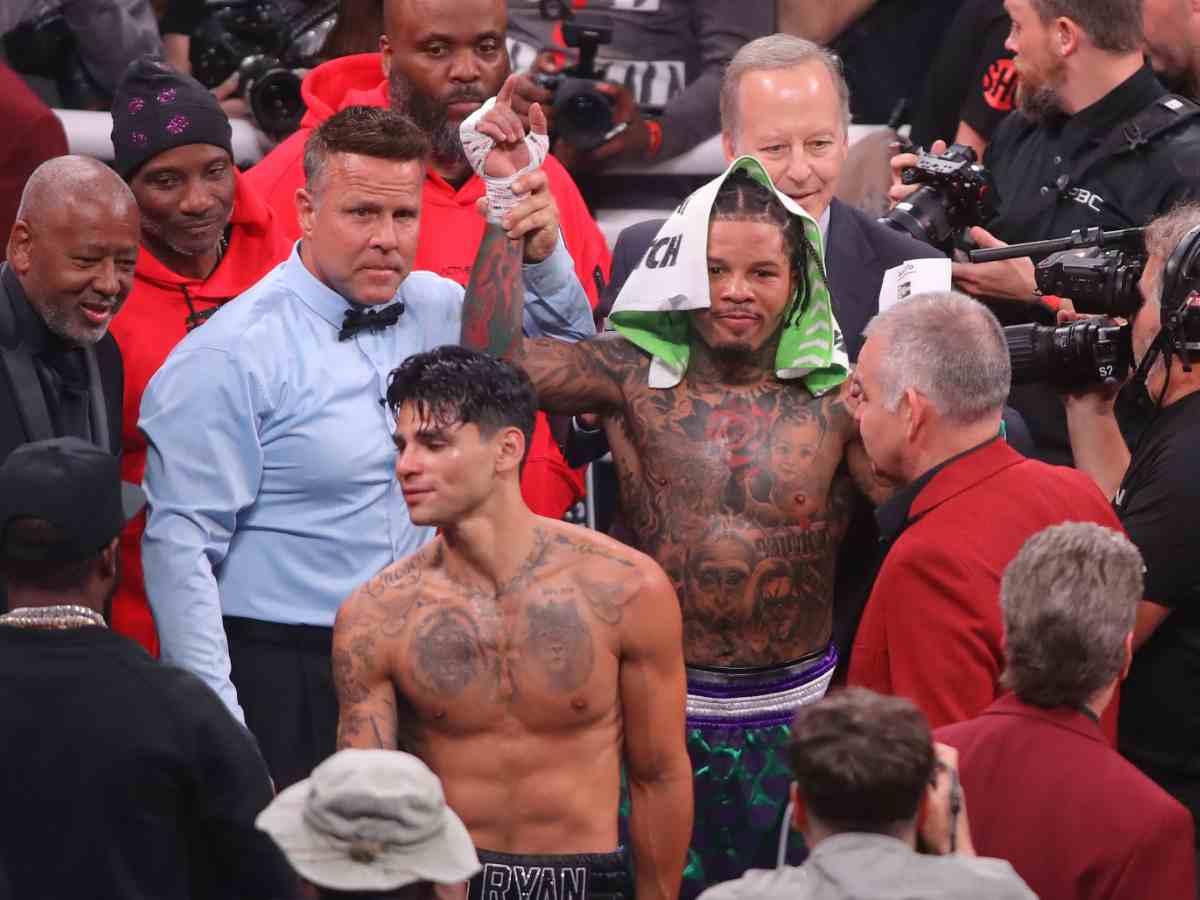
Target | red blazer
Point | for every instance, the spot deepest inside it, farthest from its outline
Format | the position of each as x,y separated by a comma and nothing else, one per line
1077,821
931,630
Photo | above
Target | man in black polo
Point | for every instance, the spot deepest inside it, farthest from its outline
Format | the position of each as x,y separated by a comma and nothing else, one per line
1096,141
1156,493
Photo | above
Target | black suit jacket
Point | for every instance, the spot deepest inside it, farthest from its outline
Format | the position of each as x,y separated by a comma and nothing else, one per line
858,251
14,429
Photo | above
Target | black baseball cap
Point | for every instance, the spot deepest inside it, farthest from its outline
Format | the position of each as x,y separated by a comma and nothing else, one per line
72,484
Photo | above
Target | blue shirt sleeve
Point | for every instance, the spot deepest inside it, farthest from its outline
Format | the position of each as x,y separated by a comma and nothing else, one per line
555,303
207,429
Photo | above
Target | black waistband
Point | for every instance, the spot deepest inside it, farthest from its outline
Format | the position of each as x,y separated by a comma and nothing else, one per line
316,638
574,876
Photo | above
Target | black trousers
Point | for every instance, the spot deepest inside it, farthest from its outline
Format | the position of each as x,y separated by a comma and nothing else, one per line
284,679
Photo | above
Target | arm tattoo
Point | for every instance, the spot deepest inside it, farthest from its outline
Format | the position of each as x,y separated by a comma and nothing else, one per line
495,298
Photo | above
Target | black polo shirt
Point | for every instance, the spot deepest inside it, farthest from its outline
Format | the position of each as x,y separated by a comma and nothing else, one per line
1159,506
1124,191
972,78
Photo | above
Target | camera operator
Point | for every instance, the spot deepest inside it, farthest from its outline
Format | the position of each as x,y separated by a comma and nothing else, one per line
1156,493
1098,142
662,69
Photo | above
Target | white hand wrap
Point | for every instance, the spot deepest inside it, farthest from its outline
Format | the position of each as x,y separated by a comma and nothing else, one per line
500,196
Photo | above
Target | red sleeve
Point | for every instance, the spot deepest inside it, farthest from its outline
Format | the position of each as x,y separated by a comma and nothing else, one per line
277,176
42,138
1162,862
550,487
942,632
585,242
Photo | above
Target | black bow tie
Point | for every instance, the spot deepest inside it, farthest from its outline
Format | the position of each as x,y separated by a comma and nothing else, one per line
359,319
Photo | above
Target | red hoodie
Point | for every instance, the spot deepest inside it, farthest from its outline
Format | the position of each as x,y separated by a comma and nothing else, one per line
149,325
451,231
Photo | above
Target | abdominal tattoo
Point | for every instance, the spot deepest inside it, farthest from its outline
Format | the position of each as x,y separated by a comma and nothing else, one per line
740,496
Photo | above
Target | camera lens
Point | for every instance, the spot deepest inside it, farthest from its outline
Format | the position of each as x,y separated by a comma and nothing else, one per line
923,215
582,115
275,102
1093,351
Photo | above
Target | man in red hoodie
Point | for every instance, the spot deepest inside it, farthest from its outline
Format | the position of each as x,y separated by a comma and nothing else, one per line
439,60
206,237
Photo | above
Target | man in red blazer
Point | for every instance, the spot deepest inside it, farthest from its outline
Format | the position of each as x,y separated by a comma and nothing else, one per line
1048,793
930,389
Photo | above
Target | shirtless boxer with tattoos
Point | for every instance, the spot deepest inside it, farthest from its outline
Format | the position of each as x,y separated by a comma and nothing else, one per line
736,483
523,659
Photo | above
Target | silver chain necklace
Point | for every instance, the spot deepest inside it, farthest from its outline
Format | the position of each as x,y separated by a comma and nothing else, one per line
56,617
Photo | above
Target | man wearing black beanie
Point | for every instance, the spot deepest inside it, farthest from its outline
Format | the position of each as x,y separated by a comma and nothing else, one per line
206,237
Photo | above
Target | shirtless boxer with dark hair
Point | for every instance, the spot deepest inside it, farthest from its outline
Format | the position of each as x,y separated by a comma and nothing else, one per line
523,659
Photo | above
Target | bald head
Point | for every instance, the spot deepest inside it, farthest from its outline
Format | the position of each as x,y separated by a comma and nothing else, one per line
74,245
65,179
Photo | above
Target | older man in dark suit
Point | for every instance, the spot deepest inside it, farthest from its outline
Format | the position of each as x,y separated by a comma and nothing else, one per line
784,101
70,265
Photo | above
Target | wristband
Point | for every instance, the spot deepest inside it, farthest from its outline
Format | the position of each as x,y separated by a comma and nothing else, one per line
1053,303
655,128
476,146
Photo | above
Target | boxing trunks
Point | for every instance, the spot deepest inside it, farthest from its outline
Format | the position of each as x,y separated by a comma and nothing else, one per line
578,876
737,732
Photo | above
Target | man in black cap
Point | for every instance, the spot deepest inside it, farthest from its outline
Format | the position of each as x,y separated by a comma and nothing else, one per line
119,776
206,237
70,267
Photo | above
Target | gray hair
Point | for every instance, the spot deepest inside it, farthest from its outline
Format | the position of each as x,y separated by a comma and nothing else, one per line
1070,599
777,51
77,177
948,347
1163,236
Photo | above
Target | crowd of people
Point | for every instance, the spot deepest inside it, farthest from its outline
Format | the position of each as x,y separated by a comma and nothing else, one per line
289,602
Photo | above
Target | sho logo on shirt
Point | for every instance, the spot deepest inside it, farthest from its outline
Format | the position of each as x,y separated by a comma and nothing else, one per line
1091,200
1000,85
504,882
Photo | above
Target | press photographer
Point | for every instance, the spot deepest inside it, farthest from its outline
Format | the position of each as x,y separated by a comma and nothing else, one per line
252,54
1096,141
657,72
1156,493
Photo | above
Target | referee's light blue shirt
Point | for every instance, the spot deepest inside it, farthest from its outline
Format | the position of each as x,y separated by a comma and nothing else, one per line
270,472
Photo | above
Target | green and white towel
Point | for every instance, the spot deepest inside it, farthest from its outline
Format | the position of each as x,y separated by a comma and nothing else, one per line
652,309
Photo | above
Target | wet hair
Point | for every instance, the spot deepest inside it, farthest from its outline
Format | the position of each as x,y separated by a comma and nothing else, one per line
861,760
741,198
454,385
364,130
